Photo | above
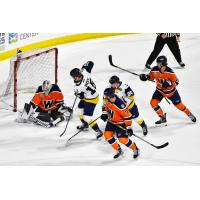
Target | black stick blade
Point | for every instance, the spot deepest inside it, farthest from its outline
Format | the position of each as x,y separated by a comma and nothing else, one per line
62,134
162,146
110,60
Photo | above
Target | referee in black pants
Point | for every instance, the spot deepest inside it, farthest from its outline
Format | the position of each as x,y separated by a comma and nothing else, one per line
171,39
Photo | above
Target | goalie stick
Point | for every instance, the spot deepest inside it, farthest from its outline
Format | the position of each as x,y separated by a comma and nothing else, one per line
112,64
69,117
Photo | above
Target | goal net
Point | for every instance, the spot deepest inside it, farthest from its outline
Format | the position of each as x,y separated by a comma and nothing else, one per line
27,71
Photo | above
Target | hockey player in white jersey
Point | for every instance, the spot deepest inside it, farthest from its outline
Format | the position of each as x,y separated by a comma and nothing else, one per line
125,92
85,90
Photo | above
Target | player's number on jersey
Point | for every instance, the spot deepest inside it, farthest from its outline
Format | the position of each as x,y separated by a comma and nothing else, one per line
92,89
130,93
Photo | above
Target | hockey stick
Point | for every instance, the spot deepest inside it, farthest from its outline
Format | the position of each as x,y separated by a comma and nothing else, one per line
153,145
69,117
112,64
82,130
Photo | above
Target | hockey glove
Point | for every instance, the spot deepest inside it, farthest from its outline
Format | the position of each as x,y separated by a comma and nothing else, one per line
70,109
166,84
129,131
63,108
79,95
88,66
104,116
144,77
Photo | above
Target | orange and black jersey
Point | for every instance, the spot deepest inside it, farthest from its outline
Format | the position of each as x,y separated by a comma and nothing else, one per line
118,112
167,75
50,101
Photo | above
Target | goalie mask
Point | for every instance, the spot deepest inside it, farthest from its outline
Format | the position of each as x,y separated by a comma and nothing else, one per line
46,87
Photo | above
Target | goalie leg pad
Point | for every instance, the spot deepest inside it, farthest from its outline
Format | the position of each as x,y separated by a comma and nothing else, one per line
27,111
45,117
37,121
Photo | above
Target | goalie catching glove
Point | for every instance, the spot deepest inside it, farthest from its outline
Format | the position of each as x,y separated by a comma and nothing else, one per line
63,109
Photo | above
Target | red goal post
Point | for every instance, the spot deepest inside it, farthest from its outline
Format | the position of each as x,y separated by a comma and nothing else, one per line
27,71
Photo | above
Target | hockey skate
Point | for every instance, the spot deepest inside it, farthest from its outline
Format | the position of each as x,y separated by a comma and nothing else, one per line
145,130
192,117
136,153
99,134
118,154
162,121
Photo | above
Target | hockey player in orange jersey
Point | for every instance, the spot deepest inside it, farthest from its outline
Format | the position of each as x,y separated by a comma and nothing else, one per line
124,92
119,121
166,82
46,107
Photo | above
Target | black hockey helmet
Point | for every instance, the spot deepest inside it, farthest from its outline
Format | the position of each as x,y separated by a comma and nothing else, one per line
109,92
114,79
162,60
75,72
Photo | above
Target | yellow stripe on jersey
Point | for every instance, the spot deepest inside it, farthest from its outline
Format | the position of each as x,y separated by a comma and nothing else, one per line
131,105
95,100
131,97
140,121
92,123
81,116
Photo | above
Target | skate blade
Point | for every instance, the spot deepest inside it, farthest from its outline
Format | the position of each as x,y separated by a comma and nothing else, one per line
84,130
161,125
100,138
120,157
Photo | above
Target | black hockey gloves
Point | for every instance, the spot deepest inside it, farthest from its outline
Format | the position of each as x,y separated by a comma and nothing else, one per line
144,77
104,116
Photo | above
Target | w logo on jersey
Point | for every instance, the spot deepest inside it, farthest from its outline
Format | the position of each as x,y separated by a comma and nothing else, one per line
48,104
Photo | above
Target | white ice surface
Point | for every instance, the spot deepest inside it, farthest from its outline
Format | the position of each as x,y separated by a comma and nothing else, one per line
27,144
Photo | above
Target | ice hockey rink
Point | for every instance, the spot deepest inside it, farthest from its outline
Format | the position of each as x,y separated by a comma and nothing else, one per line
28,144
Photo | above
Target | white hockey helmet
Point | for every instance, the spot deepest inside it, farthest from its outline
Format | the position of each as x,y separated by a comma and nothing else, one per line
46,86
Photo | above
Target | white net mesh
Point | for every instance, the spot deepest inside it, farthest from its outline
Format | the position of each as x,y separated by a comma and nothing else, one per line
32,69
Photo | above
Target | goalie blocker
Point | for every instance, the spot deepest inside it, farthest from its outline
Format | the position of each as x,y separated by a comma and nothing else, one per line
47,107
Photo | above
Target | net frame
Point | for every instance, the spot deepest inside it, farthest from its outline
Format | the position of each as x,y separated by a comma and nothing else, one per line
21,59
